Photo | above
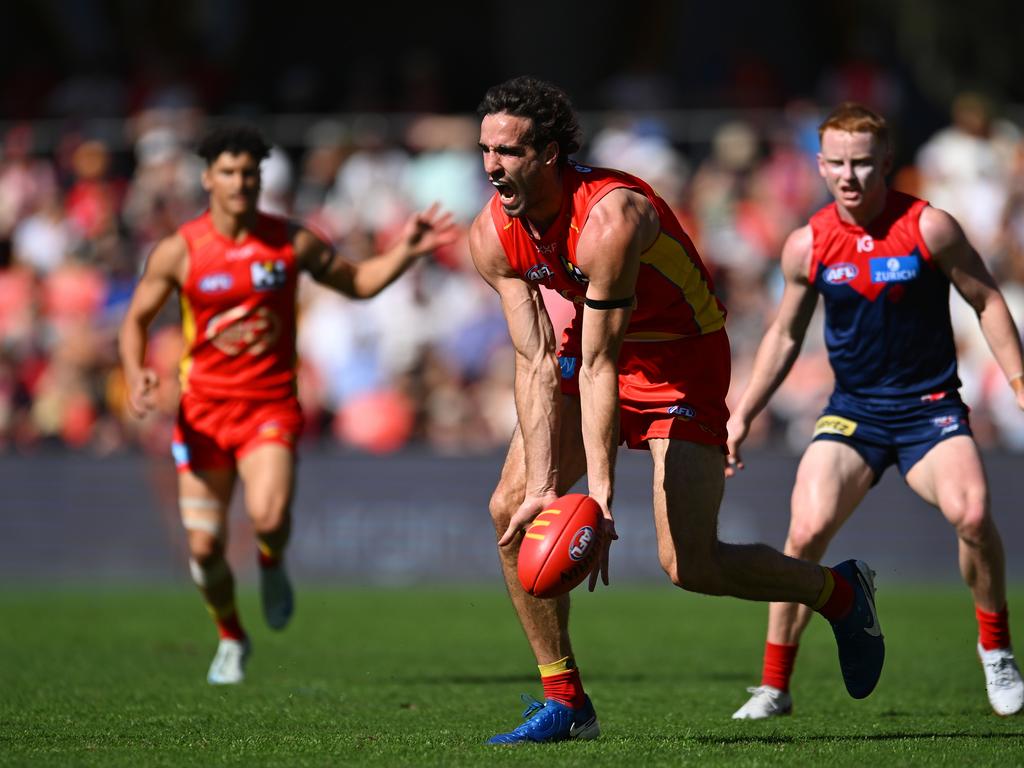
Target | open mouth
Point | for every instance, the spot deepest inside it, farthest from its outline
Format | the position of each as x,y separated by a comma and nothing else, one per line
506,192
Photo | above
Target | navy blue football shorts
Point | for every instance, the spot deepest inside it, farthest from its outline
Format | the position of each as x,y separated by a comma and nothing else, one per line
892,430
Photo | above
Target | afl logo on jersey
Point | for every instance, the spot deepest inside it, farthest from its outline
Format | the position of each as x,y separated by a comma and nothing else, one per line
539,272
215,283
838,274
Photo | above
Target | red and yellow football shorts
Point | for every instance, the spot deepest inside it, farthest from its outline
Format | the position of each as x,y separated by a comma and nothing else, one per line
215,434
672,389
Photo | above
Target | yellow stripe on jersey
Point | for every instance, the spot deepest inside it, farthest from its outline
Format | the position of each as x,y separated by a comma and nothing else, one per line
653,336
670,259
188,330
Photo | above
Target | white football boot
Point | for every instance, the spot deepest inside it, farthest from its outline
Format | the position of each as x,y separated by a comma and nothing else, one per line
1002,680
766,701
228,665
277,597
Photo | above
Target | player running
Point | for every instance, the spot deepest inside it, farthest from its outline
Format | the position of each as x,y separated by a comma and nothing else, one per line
883,261
645,361
236,270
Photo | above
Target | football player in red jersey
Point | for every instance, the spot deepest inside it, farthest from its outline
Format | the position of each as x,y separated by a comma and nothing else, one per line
646,359
235,270
884,262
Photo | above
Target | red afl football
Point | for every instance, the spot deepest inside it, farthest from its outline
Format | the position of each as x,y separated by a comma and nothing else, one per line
560,546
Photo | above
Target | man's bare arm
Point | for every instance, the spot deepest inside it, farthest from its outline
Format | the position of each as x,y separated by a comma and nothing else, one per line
423,233
164,272
971,278
781,344
537,392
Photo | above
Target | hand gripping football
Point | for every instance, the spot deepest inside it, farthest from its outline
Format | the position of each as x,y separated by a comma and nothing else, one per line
560,546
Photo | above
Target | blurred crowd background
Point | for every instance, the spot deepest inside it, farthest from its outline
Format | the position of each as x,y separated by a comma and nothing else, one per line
372,118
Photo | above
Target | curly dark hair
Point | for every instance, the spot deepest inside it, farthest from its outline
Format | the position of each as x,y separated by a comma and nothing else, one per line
235,140
546,105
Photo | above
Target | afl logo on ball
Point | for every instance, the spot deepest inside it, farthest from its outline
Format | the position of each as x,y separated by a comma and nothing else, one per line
581,541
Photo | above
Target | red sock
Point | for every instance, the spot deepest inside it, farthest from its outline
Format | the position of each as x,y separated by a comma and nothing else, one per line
840,601
230,627
778,665
993,628
564,687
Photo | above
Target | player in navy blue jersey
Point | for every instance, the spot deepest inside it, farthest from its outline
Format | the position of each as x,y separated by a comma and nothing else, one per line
883,262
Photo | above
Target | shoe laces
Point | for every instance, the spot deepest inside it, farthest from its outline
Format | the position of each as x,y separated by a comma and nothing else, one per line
533,706
764,690
1004,671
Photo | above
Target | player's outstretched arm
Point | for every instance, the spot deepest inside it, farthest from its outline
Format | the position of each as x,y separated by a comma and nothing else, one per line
971,278
781,344
423,232
537,394
619,228
165,271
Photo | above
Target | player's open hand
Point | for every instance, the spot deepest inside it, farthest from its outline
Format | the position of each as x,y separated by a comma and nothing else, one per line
532,506
430,229
608,535
142,392
738,429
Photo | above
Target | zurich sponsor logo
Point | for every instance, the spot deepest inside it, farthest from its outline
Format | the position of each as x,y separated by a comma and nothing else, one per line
580,543
838,274
682,411
894,269
215,283
539,272
568,366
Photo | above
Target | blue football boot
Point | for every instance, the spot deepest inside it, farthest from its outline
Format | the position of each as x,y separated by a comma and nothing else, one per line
552,721
858,634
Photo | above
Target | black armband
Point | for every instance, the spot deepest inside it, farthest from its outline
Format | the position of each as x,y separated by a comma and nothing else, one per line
609,303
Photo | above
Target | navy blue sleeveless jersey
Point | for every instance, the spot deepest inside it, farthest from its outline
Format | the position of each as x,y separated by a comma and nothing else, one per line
887,325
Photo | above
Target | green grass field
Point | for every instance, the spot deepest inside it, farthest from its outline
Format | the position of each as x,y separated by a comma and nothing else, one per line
423,677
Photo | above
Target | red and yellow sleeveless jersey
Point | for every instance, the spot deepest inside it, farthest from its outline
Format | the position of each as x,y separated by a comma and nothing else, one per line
675,296
238,312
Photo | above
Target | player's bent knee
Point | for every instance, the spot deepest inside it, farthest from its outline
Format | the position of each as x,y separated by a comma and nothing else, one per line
205,548
502,506
693,576
974,522
269,519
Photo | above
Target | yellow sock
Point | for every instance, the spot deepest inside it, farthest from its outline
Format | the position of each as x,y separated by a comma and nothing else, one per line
564,664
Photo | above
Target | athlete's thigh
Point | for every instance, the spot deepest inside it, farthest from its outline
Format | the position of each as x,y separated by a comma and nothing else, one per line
572,462
203,500
948,474
689,479
831,481
268,475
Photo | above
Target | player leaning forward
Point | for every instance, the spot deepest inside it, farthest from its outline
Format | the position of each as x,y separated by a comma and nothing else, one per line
645,360
236,270
884,261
